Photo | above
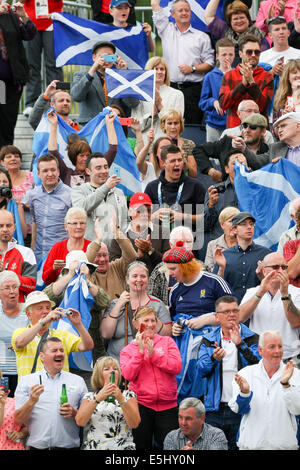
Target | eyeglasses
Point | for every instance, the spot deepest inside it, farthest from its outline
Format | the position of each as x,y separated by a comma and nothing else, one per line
227,312
245,125
250,52
276,18
76,224
278,266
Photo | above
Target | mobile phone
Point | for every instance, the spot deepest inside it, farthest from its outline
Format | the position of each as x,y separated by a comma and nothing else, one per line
142,327
4,384
63,85
110,58
281,59
116,171
125,121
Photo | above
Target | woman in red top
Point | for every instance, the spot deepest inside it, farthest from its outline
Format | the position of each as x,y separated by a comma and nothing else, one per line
75,225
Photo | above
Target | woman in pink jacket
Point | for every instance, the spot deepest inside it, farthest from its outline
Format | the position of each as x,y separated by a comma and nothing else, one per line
150,363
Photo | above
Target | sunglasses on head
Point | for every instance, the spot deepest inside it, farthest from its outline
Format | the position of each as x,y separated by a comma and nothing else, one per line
276,18
250,52
251,126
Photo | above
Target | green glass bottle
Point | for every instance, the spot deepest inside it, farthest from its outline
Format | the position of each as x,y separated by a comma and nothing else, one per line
111,398
63,396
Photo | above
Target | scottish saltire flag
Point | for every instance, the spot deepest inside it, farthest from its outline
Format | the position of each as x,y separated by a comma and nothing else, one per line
13,207
197,7
77,296
96,134
74,38
125,83
266,193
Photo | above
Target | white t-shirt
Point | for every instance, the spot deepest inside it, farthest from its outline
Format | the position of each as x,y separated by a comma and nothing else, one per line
271,57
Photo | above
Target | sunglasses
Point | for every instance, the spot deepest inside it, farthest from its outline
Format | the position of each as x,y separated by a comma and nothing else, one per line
278,266
251,126
250,52
276,18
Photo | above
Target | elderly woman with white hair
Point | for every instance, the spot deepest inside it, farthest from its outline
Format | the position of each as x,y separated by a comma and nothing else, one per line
226,240
75,225
165,97
292,233
12,317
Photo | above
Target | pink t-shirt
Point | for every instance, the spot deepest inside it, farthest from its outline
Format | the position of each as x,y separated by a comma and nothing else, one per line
9,425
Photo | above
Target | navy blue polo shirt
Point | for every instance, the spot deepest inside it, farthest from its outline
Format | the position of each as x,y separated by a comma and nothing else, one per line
241,266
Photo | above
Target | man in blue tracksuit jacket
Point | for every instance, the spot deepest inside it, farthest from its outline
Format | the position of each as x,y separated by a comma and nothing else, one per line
223,352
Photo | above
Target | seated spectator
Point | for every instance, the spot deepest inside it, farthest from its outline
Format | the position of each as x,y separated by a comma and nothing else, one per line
196,290
194,433
12,435
100,10
78,151
51,421
105,401
274,304
172,124
143,234
87,87
15,257
117,325
236,26
287,96
266,396
100,198
209,100
166,97
8,202
238,264
75,225
110,275
269,10
245,108
292,233
150,169
246,81
60,100
150,364
280,53
25,342
251,137
56,293
227,240
224,351
48,225
12,317
21,180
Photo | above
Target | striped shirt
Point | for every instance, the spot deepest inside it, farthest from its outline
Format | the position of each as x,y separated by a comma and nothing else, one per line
25,356
211,438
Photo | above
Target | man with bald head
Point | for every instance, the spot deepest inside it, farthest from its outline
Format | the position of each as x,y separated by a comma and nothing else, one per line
275,304
14,257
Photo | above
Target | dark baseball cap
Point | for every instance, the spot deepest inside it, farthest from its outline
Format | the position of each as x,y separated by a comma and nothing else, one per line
99,44
238,218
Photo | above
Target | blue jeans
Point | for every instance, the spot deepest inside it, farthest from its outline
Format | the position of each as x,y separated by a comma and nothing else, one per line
226,420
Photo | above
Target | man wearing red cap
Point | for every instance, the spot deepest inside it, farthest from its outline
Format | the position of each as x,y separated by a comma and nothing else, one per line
143,234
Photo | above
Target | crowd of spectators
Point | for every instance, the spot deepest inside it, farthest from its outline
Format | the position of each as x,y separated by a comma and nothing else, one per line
193,327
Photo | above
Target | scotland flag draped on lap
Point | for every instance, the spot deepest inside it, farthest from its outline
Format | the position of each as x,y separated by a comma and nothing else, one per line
77,296
74,38
266,193
197,7
136,83
96,134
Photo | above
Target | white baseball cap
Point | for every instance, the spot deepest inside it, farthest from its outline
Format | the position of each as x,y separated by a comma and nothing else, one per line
35,298
294,116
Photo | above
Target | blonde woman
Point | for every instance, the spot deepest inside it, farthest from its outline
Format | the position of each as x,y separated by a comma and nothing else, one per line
172,125
109,423
289,86
165,97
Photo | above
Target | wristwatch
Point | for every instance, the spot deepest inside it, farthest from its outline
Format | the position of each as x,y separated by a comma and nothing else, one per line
287,297
193,69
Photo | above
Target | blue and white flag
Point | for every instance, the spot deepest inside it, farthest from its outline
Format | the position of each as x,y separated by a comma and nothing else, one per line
95,133
13,208
136,83
74,38
77,296
197,7
266,194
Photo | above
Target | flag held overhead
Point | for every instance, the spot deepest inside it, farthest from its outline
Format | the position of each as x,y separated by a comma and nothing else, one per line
125,83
